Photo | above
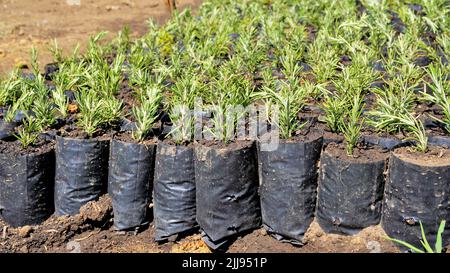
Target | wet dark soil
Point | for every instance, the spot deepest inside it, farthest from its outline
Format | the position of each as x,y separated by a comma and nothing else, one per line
361,154
15,148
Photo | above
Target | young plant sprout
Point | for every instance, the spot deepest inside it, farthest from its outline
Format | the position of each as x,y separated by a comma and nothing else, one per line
95,111
23,102
394,102
323,59
91,111
334,107
28,132
95,51
44,112
56,52
415,128
34,61
179,105
352,124
9,90
61,101
426,247
440,94
147,113
112,110
289,100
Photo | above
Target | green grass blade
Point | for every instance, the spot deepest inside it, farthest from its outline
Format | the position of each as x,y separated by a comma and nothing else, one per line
438,245
424,240
413,248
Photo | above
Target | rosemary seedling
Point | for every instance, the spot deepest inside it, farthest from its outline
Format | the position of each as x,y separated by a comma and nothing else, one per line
28,132
147,113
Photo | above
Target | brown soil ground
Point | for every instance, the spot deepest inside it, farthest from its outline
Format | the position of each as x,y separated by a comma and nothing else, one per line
92,231
27,23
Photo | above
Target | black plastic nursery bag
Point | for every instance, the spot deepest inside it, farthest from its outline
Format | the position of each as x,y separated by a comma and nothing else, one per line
174,190
227,190
81,172
288,178
349,194
416,193
130,179
26,188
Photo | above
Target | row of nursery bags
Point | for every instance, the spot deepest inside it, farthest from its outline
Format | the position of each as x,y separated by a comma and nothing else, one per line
226,190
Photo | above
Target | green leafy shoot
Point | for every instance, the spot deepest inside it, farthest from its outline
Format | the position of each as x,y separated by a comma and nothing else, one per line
352,124
147,113
426,247
44,112
28,132
112,110
91,111
440,94
335,107
56,52
21,103
289,100
34,61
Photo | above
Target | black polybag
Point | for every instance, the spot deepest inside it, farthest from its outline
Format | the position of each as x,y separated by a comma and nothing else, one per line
416,193
227,190
81,172
6,129
387,143
349,194
174,190
130,180
288,182
50,69
26,188
439,141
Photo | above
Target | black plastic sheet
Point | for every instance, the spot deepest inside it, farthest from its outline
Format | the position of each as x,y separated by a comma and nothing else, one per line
387,143
416,193
439,141
26,188
288,185
81,172
349,195
6,129
131,168
227,191
174,191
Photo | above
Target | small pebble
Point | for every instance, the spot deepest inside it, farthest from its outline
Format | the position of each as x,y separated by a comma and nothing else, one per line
24,249
263,232
25,231
5,232
110,8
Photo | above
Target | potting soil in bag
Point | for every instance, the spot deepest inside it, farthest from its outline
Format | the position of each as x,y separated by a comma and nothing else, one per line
26,188
227,190
415,192
81,172
288,178
130,179
350,191
174,190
